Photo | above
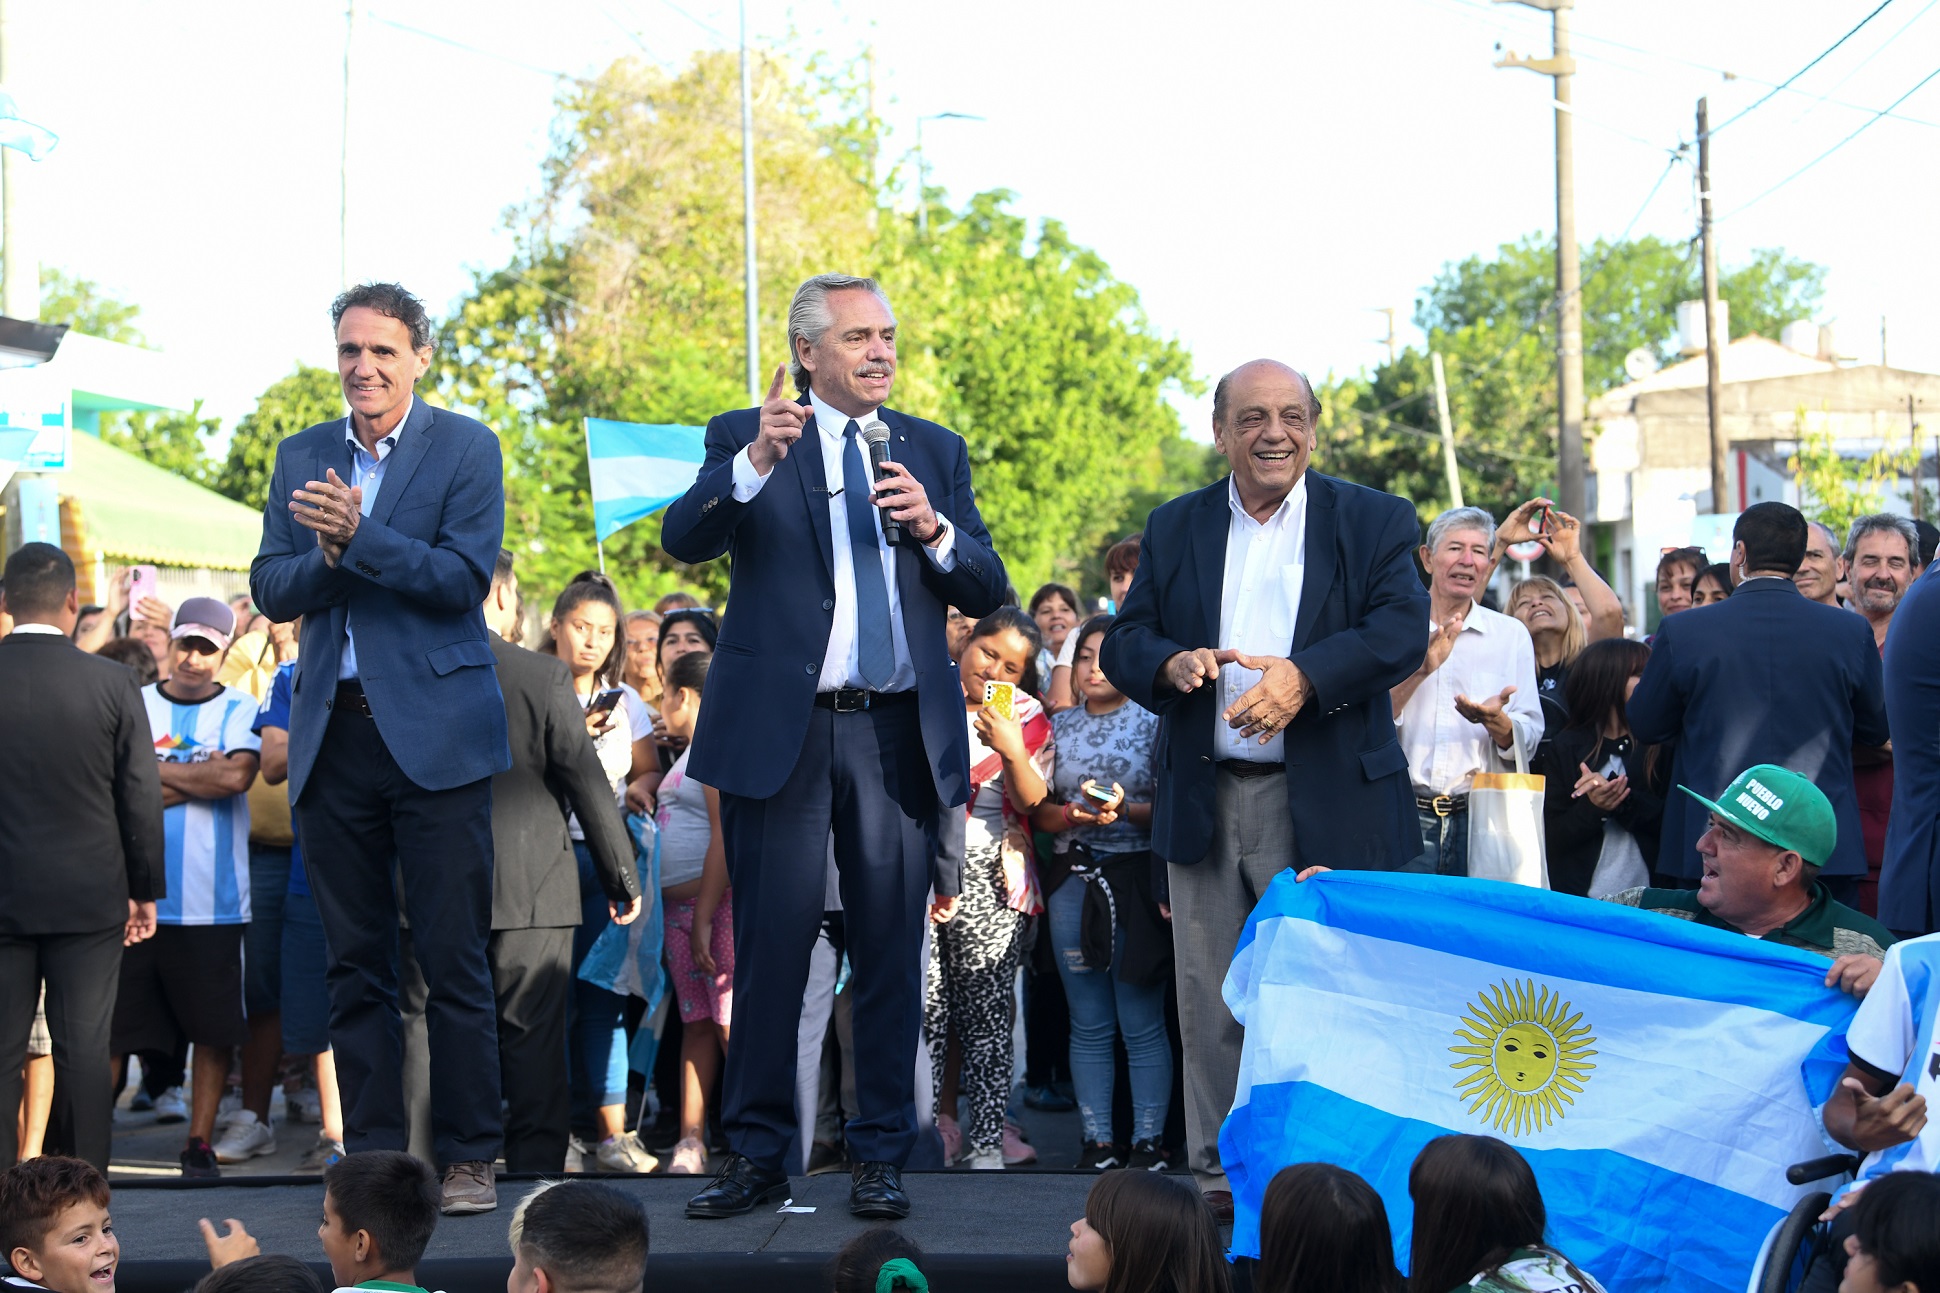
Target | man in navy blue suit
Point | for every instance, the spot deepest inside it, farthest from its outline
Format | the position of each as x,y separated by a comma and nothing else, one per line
1909,880
833,708
1765,676
1270,615
381,531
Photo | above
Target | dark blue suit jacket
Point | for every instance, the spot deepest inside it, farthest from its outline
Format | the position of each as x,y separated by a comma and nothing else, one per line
1763,677
411,583
1361,628
1909,883
781,601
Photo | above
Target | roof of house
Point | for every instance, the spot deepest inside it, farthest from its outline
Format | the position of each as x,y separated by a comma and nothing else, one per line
1744,359
138,512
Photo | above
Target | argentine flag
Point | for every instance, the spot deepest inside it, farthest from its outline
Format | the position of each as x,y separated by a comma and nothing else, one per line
637,468
1658,1075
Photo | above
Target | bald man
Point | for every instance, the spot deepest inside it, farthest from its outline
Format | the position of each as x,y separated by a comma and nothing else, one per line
1270,614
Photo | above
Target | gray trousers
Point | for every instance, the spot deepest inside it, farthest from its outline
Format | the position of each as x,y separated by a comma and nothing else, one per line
1252,843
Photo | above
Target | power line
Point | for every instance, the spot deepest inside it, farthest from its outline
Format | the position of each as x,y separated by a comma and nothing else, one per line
474,49
1786,83
1835,148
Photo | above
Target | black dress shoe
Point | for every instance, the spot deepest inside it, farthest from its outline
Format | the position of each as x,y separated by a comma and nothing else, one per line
739,1187
878,1192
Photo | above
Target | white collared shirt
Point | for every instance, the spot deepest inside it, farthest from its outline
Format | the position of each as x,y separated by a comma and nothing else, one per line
38,628
1266,567
842,662
1445,750
367,472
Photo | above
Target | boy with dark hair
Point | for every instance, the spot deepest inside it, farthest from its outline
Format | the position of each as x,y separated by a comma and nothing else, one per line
54,1227
578,1237
379,1209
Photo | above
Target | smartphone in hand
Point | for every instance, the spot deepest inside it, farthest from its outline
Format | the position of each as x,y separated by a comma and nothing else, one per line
604,703
1002,697
1101,795
143,583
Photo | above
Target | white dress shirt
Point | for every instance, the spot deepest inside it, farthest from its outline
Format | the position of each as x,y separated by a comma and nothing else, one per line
38,628
1445,750
367,472
1266,566
842,662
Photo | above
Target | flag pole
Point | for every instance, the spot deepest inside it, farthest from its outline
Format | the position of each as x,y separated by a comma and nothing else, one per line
599,544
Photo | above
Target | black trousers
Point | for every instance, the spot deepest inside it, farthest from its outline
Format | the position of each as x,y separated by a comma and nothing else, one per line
531,976
865,778
82,973
362,821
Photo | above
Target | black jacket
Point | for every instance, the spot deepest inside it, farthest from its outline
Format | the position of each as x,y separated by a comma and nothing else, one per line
1573,828
80,793
535,878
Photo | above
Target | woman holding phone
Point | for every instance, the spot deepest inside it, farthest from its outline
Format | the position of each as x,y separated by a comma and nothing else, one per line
1113,951
974,966
585,633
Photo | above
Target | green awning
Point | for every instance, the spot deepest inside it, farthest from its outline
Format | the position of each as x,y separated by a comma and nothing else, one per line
134,511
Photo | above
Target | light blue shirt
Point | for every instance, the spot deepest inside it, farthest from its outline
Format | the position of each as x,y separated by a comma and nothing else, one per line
367,473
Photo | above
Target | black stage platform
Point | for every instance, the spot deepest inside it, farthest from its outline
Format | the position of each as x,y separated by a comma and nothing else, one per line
980,1230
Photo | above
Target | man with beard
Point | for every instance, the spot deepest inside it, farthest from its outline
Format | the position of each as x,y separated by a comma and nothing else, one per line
1882,558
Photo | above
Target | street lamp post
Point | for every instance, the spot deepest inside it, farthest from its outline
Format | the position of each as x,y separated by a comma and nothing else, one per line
923,168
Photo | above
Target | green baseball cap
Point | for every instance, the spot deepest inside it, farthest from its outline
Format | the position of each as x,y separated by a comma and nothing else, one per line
1781,807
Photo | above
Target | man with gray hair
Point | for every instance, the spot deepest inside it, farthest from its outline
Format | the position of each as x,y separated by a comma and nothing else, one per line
833,711
1474,696
1882,558
1822,571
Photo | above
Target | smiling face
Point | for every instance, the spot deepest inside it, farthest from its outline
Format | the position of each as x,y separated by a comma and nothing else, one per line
1267,433
1055,617
376,363
1525,1057
583,636
854,364
1882,570
1674,588
1540,610
995,657
78,1254
1456,565
1087,1259
1819,574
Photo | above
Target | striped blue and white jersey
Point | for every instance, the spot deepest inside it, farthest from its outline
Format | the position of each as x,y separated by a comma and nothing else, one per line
1894,1033
206,841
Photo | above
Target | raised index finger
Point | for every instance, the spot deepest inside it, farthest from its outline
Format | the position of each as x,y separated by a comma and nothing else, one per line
774,387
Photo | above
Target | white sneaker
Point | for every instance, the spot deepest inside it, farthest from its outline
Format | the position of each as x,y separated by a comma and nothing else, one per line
985,1160
171,1107
244,1138
229,1109
625,1153
304,1106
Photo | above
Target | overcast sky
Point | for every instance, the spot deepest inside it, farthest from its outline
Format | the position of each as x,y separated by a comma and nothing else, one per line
1266,174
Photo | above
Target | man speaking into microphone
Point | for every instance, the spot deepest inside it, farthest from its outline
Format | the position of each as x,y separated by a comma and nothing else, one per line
833,710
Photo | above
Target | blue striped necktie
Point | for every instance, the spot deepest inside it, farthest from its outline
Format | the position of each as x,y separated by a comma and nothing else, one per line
876,651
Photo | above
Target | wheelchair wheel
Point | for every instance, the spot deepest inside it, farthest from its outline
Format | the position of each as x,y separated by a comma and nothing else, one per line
1781,1266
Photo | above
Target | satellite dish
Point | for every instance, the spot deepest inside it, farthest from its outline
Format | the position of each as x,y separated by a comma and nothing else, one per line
1640,363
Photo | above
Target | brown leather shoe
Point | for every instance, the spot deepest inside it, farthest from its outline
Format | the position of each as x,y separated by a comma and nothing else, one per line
1221,1203
468,1188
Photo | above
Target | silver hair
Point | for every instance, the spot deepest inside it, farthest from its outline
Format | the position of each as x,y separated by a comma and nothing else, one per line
809,315
1879,523
1831,536
1460,518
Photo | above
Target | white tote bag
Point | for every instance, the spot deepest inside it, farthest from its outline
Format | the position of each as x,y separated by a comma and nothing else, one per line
1505,825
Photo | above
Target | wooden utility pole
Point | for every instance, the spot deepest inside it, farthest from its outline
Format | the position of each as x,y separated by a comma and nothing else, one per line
1569,297
1448,430
19,270
1712,346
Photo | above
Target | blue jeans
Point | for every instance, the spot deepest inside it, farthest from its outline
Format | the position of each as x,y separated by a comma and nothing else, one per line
1446,843
269,882
596,1043
1101,1007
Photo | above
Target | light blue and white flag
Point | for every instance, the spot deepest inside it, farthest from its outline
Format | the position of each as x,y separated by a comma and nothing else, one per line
1658,1075
35,141
638,468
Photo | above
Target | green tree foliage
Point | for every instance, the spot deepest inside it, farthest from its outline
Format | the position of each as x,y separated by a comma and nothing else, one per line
303,398
1834,490
1493,320
177,442
624,301
85,307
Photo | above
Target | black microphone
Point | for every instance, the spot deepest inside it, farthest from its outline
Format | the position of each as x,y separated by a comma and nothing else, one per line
876,436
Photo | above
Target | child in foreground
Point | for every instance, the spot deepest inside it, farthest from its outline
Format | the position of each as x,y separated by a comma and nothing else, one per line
578,1237
54,1227
379,1209
882,1260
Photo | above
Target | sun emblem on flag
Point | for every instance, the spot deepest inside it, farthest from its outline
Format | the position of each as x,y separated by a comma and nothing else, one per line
1526,1054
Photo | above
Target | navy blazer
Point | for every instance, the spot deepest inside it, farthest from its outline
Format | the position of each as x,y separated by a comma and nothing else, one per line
781,601
1361,628
1909,882
412,582
1762,677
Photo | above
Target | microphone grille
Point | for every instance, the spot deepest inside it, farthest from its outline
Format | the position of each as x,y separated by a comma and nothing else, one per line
874,432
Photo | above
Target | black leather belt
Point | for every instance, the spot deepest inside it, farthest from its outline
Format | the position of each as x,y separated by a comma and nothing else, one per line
351,698
853,700
1248,768
1442,805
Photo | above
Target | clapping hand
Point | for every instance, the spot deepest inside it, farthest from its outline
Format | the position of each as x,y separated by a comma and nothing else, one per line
1441,641
1270,704
330,508
782,420
1605,793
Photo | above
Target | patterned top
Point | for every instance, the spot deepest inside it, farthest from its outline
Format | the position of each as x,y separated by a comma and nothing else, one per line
1535,1270
1829,928
206,840
1121,747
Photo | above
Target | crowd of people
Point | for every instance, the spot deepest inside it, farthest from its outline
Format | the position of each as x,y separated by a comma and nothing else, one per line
537,863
